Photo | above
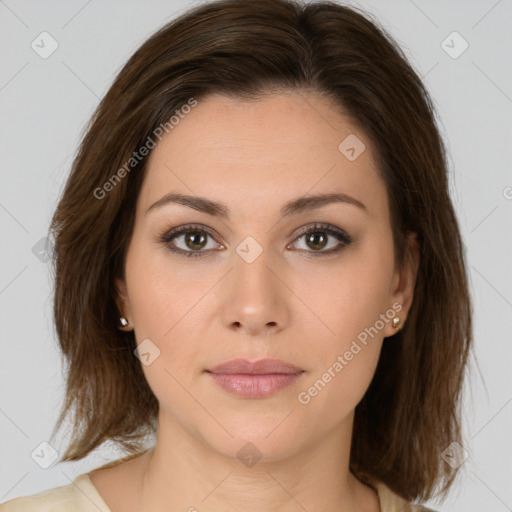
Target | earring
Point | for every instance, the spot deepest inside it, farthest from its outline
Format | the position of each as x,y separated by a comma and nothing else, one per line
396,322
124,322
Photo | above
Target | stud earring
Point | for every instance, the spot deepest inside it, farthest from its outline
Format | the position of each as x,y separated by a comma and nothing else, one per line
124,322
396,323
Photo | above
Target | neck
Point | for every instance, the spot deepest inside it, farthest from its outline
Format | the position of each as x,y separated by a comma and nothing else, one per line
188,473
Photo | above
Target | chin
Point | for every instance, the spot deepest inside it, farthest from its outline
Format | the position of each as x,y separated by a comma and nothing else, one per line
268,439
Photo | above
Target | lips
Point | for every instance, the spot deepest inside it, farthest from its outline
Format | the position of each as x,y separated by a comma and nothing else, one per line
261,367
257,379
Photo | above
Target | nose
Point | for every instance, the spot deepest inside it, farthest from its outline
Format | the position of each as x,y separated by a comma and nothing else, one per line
255,297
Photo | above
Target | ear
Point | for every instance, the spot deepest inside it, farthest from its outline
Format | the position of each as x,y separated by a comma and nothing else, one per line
404,280
123,304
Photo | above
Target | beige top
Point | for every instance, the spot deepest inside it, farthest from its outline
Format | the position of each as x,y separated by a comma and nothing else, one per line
82,496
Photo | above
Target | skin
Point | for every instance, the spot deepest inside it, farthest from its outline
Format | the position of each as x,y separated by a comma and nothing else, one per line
289,304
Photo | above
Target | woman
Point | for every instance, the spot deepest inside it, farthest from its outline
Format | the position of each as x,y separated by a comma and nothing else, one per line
257,259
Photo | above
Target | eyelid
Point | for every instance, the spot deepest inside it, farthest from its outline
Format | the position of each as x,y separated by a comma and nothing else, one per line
324,226
168,234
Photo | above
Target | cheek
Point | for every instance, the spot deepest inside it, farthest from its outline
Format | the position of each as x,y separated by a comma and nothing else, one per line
330,395
349,298
161,294
349,295
162,306
167,309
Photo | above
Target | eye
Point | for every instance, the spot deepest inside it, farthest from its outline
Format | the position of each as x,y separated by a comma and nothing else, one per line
317,237
189,240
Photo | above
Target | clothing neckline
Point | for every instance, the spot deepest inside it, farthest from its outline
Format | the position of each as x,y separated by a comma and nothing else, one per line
84,483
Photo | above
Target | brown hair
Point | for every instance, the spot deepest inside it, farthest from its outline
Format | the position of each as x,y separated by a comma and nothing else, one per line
411,411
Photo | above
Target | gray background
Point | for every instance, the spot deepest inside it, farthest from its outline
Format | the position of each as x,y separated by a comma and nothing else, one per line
45,104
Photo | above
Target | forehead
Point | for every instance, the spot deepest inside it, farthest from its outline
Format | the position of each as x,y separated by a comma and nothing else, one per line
280,146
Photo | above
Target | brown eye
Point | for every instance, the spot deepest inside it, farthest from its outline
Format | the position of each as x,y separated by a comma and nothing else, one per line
195,240
189,241
192,241
321,236
316,240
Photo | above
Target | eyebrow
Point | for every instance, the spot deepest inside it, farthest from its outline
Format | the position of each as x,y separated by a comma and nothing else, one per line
293,207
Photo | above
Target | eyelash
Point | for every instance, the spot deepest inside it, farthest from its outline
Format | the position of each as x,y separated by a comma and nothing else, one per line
341,235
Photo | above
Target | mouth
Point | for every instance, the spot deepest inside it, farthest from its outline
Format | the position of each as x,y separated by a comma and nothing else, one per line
257,379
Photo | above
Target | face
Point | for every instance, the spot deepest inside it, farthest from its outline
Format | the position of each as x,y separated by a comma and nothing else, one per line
312,284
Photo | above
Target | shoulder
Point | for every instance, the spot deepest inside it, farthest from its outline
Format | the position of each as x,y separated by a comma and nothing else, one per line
391,502
78,496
